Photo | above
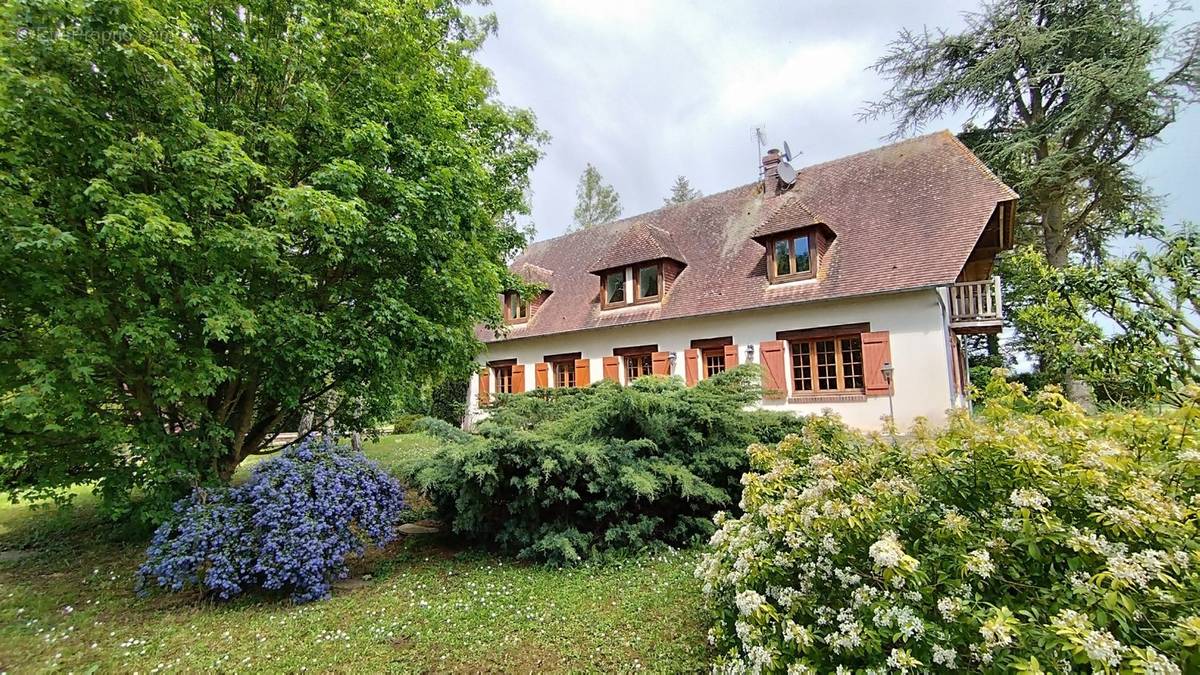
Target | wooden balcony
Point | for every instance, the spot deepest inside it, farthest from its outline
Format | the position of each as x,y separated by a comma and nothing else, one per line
976,306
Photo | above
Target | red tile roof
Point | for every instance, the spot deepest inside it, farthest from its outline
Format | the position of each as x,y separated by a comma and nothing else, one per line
788,214
640,242
906,216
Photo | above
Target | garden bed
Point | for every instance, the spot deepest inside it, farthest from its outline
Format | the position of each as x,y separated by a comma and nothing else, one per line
422,604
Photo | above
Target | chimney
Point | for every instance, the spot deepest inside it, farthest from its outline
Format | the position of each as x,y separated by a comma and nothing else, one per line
770,170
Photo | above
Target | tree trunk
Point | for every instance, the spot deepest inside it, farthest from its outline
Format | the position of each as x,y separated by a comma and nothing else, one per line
228,464
1057,243
356,441
306,422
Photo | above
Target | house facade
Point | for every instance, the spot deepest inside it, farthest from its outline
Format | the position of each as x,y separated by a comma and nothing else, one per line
851,286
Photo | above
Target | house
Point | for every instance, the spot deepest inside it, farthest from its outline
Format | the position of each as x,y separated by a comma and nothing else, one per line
852,287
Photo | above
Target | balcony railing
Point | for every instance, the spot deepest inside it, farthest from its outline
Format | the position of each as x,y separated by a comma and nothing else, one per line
976,306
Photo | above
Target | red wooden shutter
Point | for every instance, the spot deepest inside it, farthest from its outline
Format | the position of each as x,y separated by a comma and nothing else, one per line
877,350
541,375
612,368
518,378
730,356
485,383
773,372
691,366
583,372
660,363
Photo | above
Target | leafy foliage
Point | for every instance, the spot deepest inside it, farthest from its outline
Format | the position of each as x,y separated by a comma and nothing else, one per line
1148,301
1030,537
1064,97
289,528
565,474
217,216
596,201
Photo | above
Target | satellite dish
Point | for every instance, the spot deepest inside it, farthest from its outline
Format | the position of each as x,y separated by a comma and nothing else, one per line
787,152
787,173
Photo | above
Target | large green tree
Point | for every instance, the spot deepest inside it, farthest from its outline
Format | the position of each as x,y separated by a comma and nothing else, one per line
1149,304
595,201
219,214
1064,95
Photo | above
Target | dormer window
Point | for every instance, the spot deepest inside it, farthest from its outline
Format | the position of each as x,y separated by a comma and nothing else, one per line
614,288
648,283
516,308
638,268
790,257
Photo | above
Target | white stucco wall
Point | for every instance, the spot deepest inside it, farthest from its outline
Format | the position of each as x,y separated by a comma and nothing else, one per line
915,320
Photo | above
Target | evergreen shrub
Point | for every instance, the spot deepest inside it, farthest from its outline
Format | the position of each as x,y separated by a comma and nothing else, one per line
562,475
1030,538
440,429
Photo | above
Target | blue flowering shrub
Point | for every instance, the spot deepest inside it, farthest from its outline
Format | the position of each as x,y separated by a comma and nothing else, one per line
289,528
1030,538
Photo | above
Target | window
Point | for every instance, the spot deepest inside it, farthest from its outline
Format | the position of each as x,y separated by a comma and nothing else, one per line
637,365
827,364
504,381
614,288
516,309
714,361
790,258
648,278
564,373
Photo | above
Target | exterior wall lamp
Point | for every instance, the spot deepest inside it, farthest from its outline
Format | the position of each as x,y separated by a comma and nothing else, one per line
671,359
749,353
888,371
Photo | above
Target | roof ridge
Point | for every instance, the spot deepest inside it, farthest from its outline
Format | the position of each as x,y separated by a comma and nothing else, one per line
961,147
665,207
870,151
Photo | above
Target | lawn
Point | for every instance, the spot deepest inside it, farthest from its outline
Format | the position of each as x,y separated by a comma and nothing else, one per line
424,604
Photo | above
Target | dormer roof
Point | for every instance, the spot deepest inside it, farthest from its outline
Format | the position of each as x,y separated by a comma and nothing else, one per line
906,216
535,274
641,242
790,214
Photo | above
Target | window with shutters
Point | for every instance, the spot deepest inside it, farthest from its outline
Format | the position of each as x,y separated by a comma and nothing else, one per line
637,365
504,379
564,373
791,258
516,309
714,361
830,364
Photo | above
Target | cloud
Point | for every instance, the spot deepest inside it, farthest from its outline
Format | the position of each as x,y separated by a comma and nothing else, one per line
649,90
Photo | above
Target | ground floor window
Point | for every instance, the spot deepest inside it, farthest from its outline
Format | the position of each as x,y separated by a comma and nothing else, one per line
637,365
564,374
714,361
504,380
827,364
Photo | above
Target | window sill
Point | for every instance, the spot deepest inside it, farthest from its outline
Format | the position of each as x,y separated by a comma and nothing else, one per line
649,304
849,397
791,283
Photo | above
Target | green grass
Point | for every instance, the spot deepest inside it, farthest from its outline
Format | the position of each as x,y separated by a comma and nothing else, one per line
428,605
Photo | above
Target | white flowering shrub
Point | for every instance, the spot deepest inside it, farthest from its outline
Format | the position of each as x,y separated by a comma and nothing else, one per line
1031,537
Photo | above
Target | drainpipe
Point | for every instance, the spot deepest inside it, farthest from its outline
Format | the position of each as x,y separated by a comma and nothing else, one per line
947,336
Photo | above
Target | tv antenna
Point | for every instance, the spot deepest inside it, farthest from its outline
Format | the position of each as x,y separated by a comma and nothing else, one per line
760,137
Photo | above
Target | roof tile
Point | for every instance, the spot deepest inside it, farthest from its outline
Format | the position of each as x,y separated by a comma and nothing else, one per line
907,216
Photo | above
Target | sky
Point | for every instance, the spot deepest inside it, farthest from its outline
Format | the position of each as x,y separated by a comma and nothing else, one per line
647,91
